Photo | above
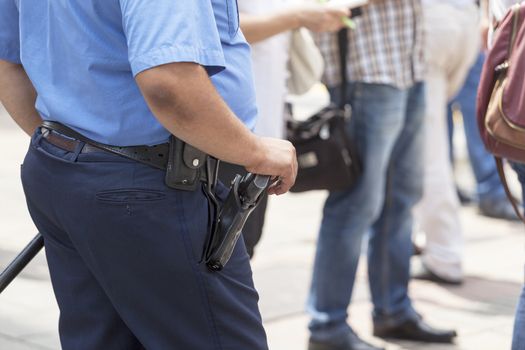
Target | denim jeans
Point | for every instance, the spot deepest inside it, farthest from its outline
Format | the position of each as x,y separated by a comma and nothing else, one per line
386,125
518,338
483,165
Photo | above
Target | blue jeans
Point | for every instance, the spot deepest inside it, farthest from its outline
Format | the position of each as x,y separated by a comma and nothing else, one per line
482,162
387,127
124,252
518,339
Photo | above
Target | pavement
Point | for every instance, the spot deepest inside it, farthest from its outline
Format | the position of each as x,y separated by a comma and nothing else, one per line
481,309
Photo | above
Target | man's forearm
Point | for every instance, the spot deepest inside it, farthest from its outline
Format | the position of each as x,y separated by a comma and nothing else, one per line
315,17
18,96
184,100
257,27
484,5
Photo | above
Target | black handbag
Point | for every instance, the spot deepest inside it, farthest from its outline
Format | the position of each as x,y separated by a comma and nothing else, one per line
327,158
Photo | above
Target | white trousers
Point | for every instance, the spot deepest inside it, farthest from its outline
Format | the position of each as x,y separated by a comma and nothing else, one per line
452,44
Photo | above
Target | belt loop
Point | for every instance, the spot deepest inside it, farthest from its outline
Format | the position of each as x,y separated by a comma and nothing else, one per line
44,131
78,149
37,136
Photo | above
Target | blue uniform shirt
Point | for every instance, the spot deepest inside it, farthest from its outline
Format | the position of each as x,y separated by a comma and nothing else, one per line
82,57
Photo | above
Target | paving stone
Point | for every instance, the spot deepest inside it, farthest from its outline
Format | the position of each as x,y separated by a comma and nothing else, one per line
48,339
10,344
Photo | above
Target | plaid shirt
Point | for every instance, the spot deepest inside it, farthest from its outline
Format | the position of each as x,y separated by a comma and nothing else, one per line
385,48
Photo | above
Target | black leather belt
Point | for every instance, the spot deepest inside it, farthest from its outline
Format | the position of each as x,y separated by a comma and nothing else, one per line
68,140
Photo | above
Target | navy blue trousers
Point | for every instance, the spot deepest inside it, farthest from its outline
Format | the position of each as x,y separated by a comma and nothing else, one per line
124,255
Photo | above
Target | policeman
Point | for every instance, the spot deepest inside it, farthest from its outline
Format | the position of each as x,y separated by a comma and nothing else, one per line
124,250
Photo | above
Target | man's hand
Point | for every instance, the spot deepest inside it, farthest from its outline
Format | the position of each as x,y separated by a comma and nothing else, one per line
319,18
278,160
316,17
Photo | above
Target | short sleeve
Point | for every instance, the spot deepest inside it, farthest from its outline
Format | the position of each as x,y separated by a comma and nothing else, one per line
168,31
9,32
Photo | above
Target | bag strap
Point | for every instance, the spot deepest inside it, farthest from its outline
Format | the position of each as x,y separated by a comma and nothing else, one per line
501,172
515,28
342,42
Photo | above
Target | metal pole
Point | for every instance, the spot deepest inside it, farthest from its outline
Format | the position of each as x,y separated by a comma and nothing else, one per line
21,261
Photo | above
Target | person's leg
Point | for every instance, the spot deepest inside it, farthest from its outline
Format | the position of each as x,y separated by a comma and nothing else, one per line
466,42
491,195
390,243
450,128
377,120
438,212
390,246
143,244
88,320
519,168
451,52
518,337
483,165
518,334
253,228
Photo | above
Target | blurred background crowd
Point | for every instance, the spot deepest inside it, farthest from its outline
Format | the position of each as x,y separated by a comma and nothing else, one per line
412,72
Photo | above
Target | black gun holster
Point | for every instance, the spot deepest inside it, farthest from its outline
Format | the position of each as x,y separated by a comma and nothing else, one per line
185,168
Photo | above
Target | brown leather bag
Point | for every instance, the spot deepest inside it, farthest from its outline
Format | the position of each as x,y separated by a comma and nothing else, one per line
501,94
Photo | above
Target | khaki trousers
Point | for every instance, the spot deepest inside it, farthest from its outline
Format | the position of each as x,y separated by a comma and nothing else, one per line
452,44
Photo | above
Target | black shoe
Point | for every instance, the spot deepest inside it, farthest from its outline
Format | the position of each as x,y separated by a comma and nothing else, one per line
352,342
464,197
426,274
417,250
498,208
415,330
